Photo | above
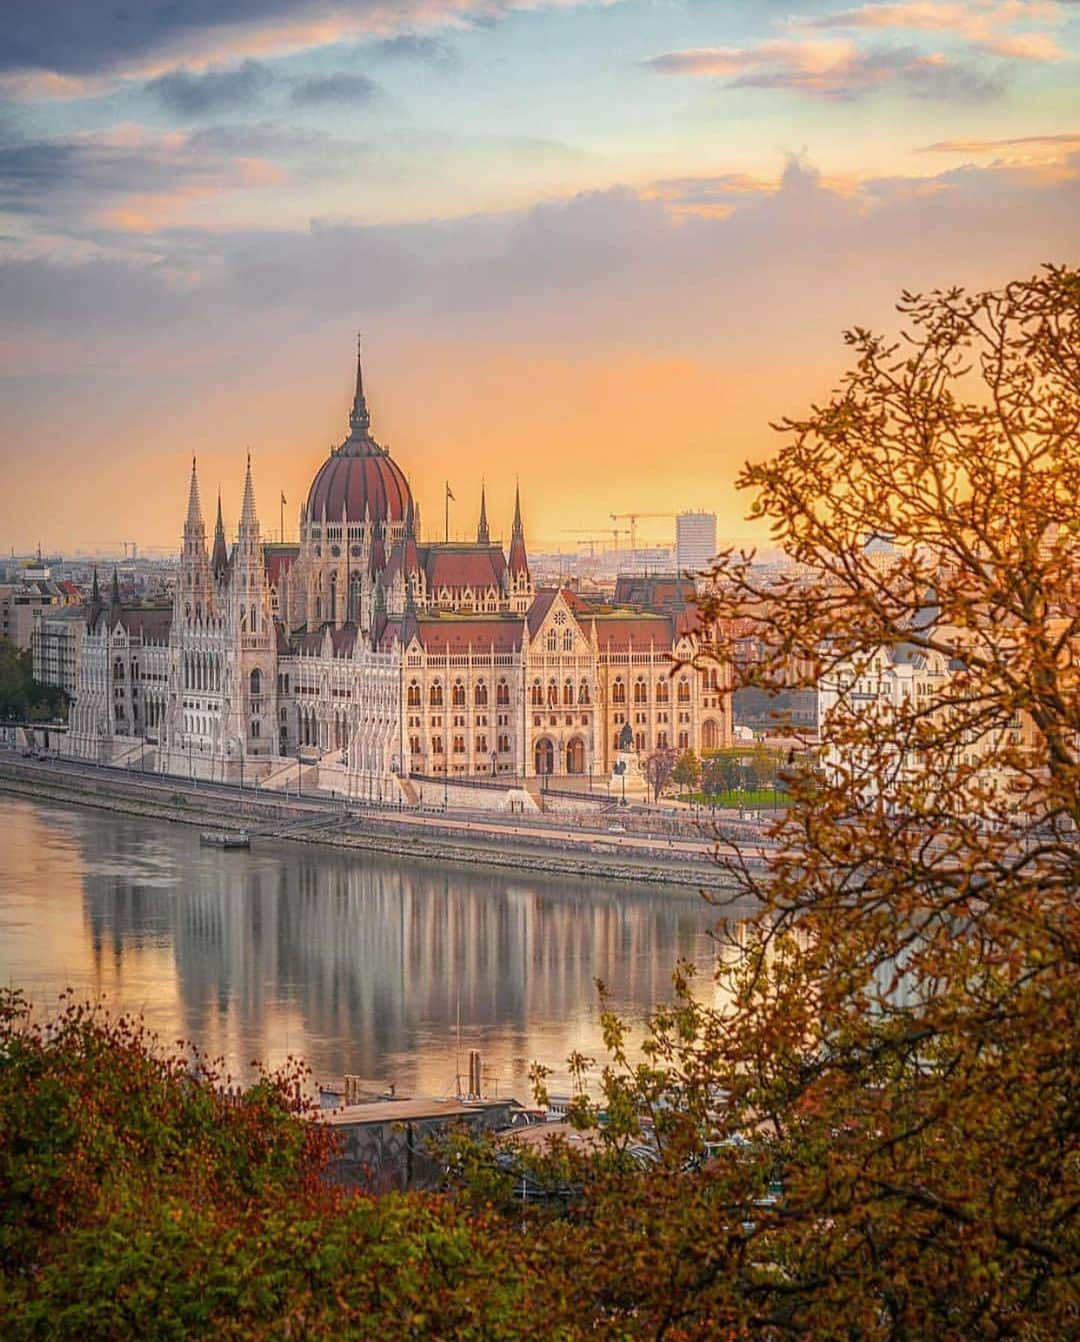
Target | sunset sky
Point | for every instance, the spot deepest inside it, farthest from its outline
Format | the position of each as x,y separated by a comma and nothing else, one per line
593,246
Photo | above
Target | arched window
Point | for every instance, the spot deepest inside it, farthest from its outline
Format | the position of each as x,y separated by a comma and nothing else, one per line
575,756
618,691
583,692
458,700
480,695
684,690
544,756
710,734
568,694
553,694
641,691
413,695
502,694
552,641
256,683
435,697
662,692
568,640
537,695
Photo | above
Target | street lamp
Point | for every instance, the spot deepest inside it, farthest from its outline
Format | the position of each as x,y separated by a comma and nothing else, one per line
494,757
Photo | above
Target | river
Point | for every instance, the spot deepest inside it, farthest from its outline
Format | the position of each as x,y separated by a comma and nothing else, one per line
367,964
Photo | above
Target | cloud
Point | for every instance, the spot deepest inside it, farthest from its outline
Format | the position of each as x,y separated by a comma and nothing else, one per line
834,69
1066,140
430,51
973,19
190,95
97,36
341,87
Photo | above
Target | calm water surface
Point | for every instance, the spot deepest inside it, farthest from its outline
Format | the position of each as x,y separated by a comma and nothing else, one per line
359,964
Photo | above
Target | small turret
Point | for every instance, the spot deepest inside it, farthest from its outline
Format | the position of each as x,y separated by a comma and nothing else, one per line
483,536
359,418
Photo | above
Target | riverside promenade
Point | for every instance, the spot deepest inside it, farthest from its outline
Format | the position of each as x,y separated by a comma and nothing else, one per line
632,844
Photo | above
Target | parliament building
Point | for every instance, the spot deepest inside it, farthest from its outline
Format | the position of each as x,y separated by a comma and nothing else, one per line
374,659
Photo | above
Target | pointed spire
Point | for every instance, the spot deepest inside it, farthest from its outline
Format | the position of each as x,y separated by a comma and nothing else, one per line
359,419
249,522
519,562
95,590
219,560
194,521
115,589
483,536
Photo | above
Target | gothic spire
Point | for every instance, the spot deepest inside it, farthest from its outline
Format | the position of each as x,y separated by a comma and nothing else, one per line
219,560
249,522
115,589
519,561
95,590
483,536
359,419
194,521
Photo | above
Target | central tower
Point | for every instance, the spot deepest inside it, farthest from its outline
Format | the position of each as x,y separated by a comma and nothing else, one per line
355,512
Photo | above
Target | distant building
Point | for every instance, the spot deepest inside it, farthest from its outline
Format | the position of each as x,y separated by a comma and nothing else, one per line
695,541
23,602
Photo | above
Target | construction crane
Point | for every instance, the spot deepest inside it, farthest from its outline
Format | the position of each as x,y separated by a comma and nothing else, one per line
633,519
126,545
593,541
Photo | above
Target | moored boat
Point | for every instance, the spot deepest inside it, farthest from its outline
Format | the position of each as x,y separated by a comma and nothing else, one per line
225,838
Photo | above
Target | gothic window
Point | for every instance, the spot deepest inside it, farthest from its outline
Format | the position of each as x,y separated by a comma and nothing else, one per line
662,692
502,694
435,697
583,692
414,745
684,740
255,726
568,640
537,696
709,734
568,693
553,694
480,695
284,715
481,745
436,745
684,690
254,621
639,741
458,695
618,691
661,741
413,695
256,683
459,745
552,641
641,692
504,744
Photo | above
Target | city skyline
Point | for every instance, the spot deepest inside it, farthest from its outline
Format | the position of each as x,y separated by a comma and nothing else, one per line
593,247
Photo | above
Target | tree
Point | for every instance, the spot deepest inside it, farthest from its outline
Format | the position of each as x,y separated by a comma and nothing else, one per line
892,1079
21,696
659,768
687,770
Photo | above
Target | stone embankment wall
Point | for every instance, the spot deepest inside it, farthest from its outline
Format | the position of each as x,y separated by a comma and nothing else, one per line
175,800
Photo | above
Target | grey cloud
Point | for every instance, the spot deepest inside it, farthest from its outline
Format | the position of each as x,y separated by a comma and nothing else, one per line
189,94
417,47
341,87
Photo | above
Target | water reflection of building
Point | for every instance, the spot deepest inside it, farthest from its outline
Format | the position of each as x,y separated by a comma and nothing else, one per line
365,965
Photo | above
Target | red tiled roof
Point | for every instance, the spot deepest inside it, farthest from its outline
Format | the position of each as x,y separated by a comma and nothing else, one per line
620,631
460,566
457,635
278,561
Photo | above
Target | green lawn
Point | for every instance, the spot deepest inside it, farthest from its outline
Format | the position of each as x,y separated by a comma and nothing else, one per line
759,797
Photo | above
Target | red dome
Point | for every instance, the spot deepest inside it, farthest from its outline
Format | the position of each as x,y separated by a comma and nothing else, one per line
359,477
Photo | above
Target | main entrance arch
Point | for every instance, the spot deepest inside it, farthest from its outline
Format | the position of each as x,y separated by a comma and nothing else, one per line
575,756
544,756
